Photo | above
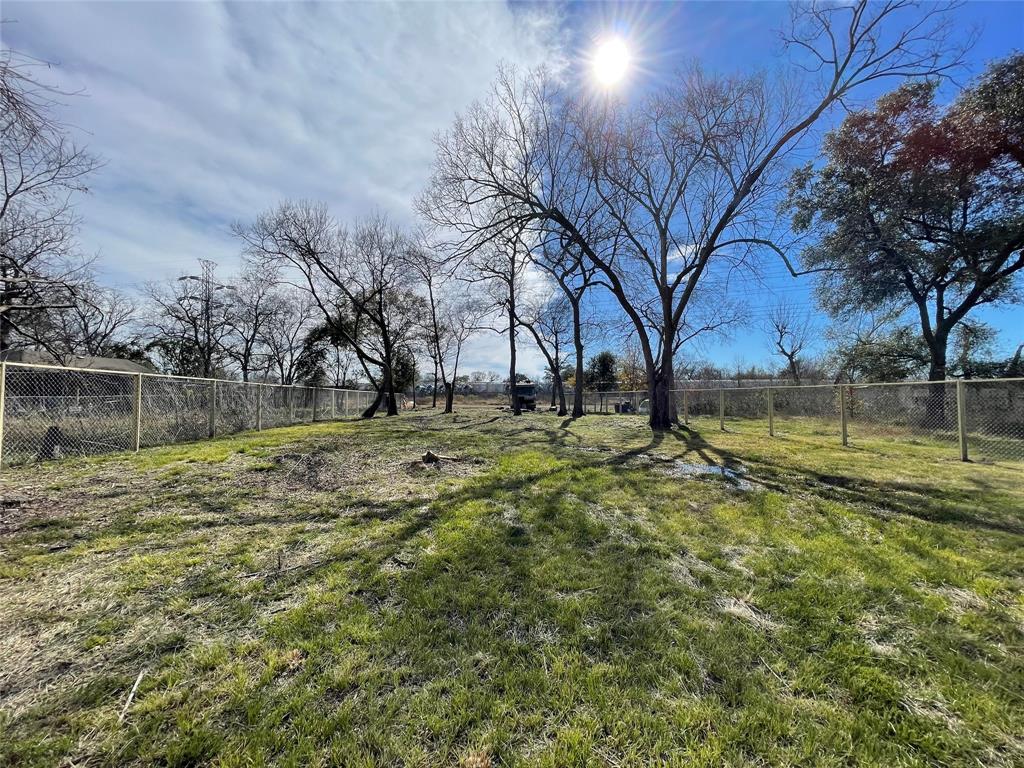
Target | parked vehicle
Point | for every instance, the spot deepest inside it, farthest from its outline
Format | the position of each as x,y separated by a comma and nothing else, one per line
526,393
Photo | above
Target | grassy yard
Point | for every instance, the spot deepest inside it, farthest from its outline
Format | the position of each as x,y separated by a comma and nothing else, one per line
562,594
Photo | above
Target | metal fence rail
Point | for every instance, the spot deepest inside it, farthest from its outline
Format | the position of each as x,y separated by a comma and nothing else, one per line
48,412
978,418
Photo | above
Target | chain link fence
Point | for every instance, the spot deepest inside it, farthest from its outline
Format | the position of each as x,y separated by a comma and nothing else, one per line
979,418
915,411
994,416
610,402
50,412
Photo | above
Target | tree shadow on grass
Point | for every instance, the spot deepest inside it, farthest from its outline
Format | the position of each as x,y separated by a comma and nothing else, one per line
694,442
505,579
918,500
422,424
947,505
517,584
521,607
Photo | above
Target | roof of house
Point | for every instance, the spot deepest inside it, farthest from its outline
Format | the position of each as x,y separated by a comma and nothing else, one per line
41,357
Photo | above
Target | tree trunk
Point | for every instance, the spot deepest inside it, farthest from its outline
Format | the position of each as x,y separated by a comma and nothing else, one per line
5,330
415,376
935,410
371,409
1013,370
553,367
449,396
937,366
560,386
389,389
577,340
659,390
433,403
516,409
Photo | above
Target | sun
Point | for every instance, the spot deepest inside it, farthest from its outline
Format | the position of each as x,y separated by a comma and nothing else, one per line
611,61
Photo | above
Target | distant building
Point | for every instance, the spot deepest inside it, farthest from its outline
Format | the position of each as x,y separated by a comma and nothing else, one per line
40,357
487,387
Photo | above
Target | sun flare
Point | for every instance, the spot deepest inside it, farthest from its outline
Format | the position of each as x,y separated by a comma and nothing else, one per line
611,61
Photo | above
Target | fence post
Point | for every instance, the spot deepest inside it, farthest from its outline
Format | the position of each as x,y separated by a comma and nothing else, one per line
334,404
137,411
721,408
3,397
259,407
771,412
842,415
212,427
291,404
961,418
315,397
686,406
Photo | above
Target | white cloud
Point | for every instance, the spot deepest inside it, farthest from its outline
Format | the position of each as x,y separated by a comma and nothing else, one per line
207,113
682,253
489,352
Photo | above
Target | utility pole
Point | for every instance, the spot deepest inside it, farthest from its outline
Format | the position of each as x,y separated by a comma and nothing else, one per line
208,302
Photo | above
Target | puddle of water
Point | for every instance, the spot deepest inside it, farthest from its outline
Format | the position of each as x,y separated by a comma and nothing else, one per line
735,477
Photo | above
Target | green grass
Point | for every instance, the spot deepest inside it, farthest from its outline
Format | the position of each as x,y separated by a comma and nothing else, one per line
564,594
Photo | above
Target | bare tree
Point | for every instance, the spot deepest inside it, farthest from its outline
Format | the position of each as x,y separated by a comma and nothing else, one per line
692,176
500,266
454,310
574,276
40,170
504,174
190,320
340,363
431,273
255,300
98,324
790,332
549,319
461,315
287,325
356,277
489,377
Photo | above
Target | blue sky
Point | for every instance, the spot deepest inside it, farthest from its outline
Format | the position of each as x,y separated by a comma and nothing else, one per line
741,36
206,113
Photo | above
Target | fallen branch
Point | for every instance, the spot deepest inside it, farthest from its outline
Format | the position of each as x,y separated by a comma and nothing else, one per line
432,458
